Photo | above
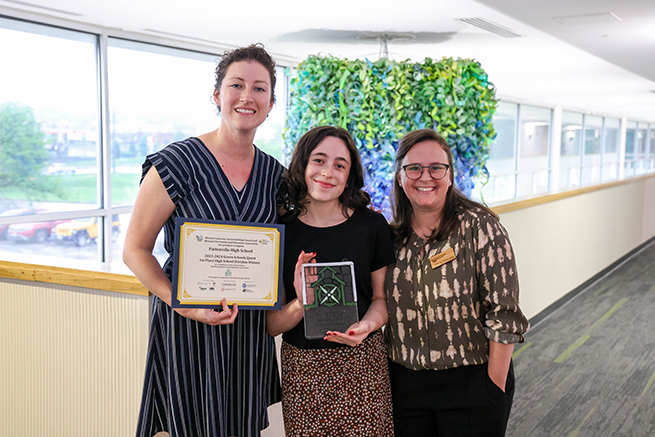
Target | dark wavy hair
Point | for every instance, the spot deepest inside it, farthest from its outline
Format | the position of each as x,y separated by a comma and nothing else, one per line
253,52
294,188
455,200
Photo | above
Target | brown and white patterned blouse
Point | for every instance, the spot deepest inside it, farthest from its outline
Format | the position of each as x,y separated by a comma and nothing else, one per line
446,302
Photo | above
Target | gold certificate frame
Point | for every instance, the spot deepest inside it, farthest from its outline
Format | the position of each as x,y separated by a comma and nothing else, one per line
216,260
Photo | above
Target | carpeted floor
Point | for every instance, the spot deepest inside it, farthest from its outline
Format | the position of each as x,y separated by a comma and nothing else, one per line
588,369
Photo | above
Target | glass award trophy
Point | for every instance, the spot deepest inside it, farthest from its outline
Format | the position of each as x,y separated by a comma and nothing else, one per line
329,298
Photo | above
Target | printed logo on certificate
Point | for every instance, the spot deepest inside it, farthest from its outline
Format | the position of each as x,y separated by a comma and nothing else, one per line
329,298
216,260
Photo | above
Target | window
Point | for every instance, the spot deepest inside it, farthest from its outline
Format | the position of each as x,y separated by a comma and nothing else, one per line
571,146
50,116
67,193
519,162
502,159
534,145
610,164
641,164
156,96
159,95
591,158
631,148
49,124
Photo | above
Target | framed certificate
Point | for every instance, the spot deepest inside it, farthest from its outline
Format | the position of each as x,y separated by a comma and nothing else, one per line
329,298
241,262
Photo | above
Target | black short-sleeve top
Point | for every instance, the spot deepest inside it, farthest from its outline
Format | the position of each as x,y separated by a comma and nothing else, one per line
364,238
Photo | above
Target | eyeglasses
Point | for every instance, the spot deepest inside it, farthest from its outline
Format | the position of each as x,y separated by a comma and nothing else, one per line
415,171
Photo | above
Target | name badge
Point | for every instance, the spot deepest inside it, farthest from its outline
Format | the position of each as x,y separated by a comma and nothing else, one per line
442,258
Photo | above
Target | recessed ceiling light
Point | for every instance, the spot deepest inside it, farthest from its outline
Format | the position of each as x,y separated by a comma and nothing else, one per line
494,28
602,17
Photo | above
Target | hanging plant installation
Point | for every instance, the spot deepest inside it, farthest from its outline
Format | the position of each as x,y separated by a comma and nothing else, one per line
378,102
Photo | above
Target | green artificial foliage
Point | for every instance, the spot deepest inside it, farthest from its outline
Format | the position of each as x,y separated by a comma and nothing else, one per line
378,102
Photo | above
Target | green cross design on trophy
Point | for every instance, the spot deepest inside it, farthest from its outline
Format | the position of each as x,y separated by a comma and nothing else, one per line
330,288
329,294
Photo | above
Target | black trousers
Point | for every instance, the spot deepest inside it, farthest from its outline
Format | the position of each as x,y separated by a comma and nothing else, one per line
459,402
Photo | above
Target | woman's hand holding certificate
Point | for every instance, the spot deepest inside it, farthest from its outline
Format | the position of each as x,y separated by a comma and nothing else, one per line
223,316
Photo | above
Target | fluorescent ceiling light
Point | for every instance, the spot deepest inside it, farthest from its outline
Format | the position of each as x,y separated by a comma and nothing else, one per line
494,28
603,17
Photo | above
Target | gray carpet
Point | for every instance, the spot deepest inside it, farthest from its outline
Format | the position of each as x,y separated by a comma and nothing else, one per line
588,369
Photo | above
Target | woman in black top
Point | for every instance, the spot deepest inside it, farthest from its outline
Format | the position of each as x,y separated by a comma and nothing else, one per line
337,385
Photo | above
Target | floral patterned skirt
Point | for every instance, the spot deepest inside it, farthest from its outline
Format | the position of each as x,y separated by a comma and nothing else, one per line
337,392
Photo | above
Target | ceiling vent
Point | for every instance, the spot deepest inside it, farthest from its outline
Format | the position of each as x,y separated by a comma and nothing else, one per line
43,8
483,24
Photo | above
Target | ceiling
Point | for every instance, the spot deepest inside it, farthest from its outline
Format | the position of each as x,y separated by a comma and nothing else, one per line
595,56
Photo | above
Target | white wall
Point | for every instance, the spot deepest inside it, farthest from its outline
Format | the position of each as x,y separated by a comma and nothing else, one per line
561,244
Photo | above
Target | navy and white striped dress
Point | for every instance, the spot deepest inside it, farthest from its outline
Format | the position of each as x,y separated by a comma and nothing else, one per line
201,380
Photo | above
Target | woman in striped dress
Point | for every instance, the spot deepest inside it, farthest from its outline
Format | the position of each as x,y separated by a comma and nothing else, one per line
208,373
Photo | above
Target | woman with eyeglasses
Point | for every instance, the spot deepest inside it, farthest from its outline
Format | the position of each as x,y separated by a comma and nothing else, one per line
453,305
